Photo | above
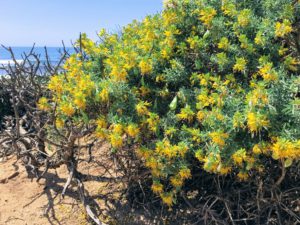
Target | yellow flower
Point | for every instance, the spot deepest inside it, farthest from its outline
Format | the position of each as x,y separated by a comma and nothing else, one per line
186,114
211,162
268,73
104,95
239,156
101,122
153,121
244,17
238,120
146,67
116,140
285,149
207,15
193,42
256,121
43,104
282,50
199,155
228,8
196,134
55,84
118,73
79,100
243,176
203,100
87,44
157,187
165,53
118,128
224,43
67,109
259,39
144,91
170,131
240,65
223,170
167,198
176,181
185,173
200,116
281,29
291,63
219,137
159,78
203,82
59,123
257,149
132,130
252,122
151,163
142,108
258,96
101,132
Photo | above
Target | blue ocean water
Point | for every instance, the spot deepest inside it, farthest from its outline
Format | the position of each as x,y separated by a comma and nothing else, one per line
53,53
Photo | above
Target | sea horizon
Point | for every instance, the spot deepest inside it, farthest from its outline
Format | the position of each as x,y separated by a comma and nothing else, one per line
19,51
53,55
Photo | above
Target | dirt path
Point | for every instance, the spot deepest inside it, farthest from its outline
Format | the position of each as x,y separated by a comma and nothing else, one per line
23,201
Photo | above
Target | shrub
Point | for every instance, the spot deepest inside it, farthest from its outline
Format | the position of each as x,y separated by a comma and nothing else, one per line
210,84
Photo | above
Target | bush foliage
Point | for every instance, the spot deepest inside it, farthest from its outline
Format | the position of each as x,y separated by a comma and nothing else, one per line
203,84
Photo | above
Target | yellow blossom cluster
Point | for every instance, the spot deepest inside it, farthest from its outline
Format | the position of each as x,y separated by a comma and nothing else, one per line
268,73
282,29
211,162
207,15
224,43
258,96
186,113
240,65
43,104
218,138
170,151
285,149
244,17
256,121
142,108
228,8
145,66
239,156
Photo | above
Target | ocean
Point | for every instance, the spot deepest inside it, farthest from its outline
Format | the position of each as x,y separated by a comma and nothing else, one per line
53,53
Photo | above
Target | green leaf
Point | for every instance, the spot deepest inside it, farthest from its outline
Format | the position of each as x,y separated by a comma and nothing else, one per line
173,104
206,34
288,163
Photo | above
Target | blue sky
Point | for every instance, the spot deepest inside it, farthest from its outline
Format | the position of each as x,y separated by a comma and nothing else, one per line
47,22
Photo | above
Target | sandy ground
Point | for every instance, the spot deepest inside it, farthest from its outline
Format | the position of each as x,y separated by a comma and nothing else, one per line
23,201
